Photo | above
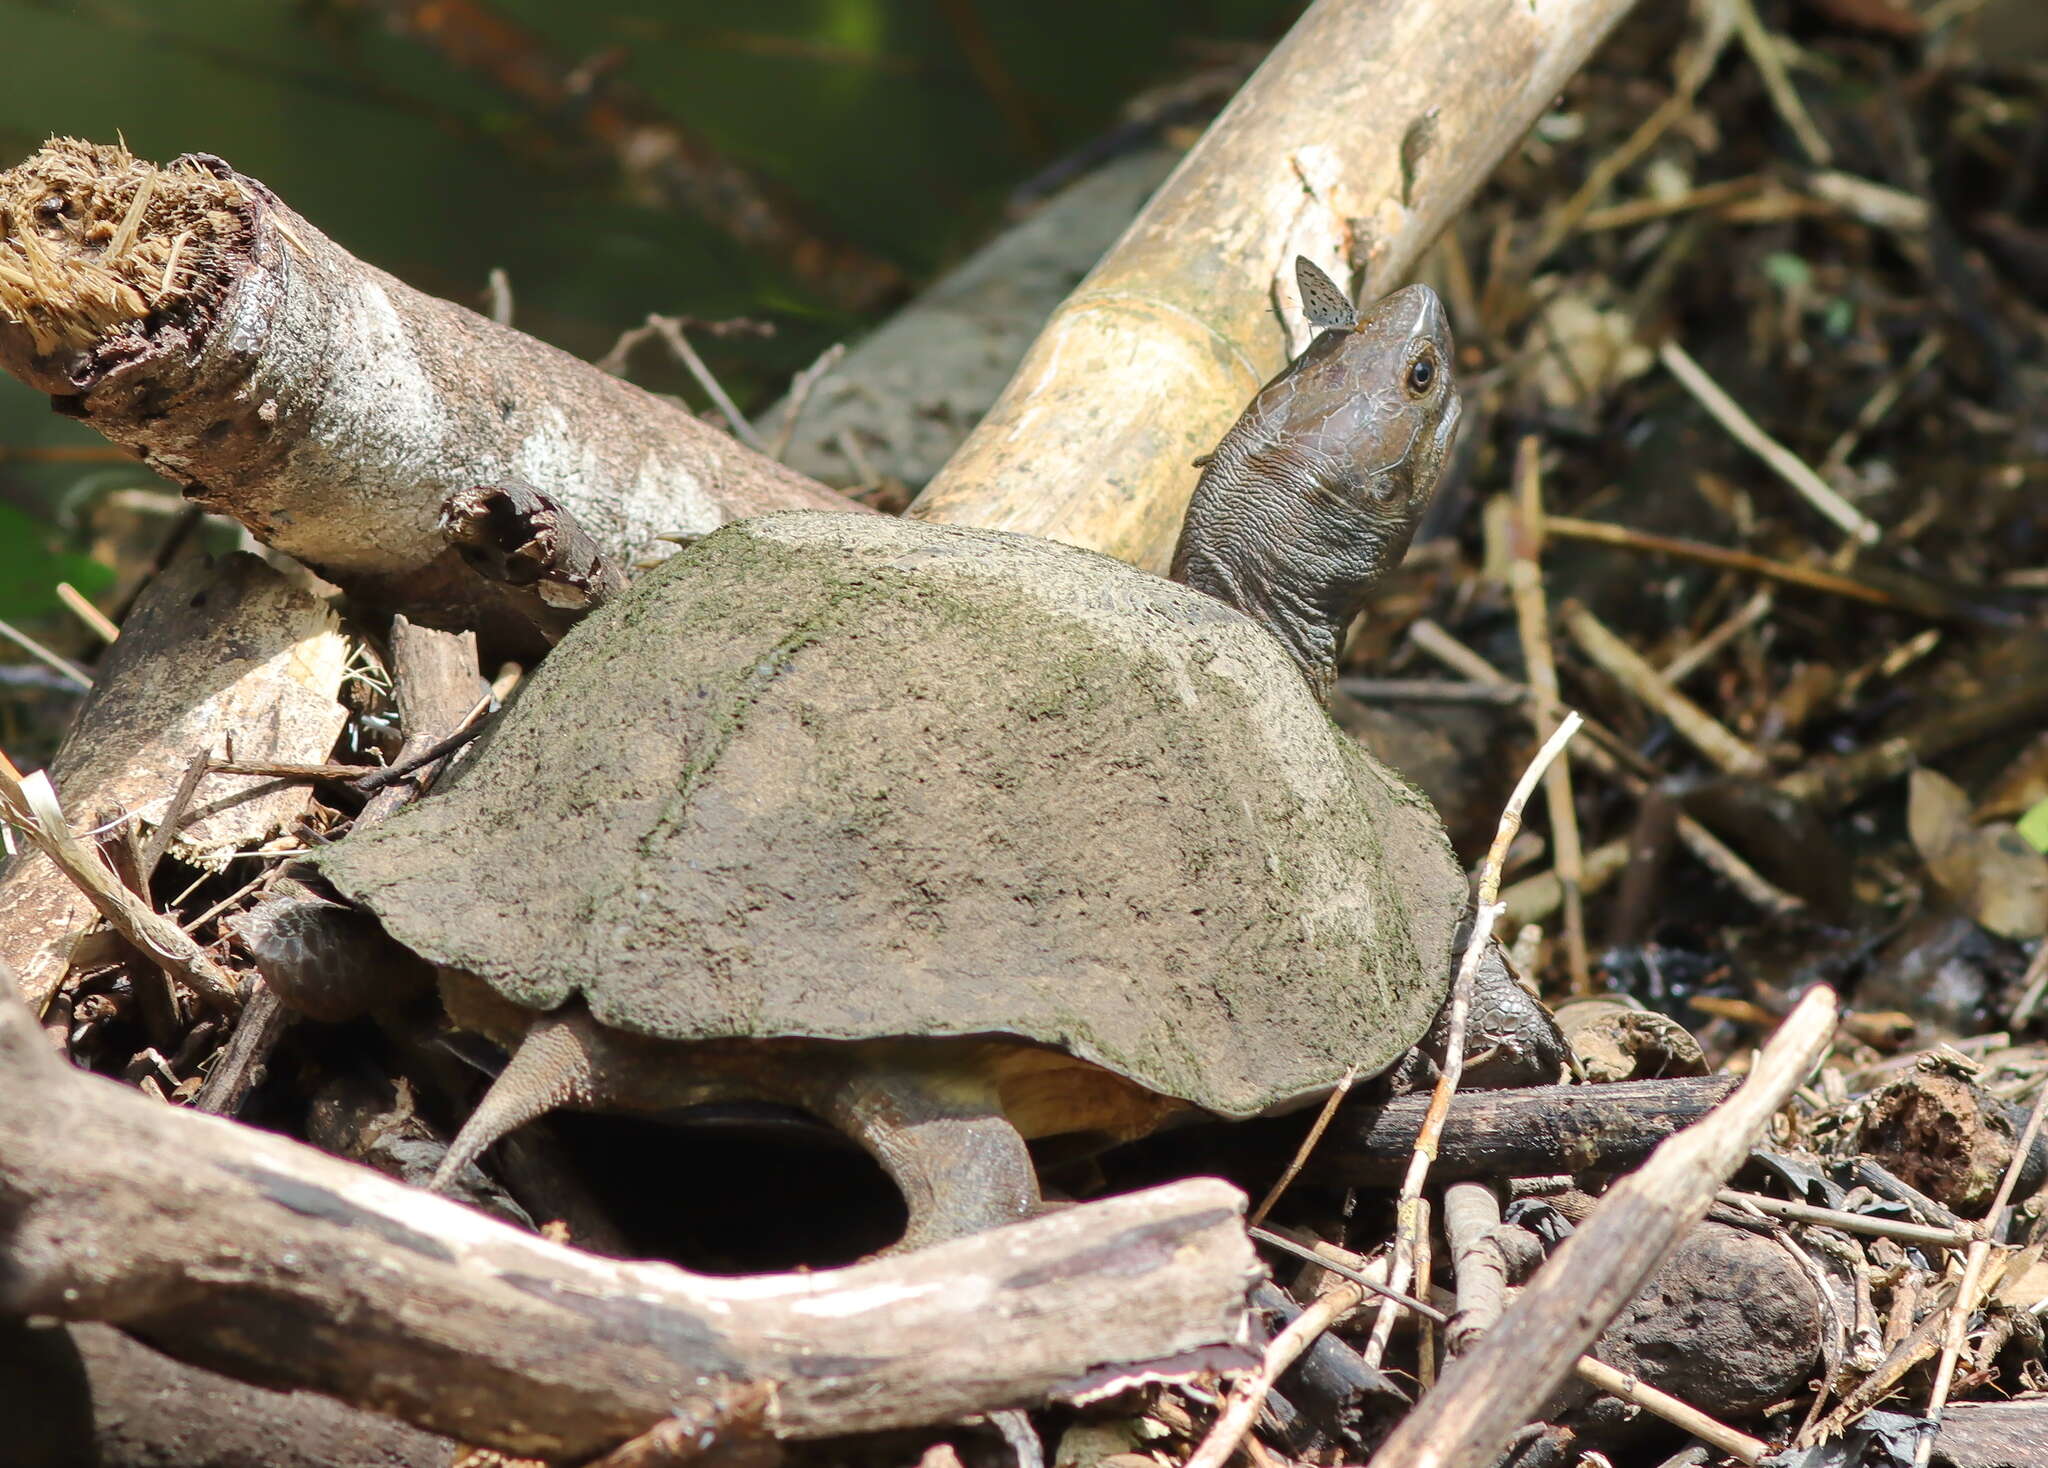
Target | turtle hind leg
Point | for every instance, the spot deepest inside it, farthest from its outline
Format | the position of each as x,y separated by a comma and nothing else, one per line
944,1141
559,1062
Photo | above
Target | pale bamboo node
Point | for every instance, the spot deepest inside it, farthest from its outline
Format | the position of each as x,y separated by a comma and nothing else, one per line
1744,430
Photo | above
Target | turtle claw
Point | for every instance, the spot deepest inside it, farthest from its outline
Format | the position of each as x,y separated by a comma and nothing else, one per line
558,1063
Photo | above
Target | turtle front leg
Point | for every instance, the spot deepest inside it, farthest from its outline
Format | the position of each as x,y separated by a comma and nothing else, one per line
943,1139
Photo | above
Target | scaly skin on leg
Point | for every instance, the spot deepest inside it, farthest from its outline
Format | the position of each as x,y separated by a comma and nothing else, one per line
326,959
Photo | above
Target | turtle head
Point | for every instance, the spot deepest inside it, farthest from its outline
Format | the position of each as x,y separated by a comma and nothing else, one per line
1316,491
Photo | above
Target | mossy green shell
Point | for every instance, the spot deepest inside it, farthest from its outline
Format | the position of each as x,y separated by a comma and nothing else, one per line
851,777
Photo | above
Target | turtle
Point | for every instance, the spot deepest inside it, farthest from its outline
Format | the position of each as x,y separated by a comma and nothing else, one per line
955,837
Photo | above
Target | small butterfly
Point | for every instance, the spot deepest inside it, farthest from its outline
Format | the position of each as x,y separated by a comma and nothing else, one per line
1321,301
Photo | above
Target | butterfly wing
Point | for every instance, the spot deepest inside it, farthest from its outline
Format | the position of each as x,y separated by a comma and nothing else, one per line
1321,301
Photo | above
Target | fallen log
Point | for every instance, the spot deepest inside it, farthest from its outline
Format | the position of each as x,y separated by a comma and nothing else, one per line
240,1251
190,316
78,1395
1356,142
1532,1132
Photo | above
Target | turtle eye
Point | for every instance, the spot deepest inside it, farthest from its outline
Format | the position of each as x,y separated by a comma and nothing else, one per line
1421,373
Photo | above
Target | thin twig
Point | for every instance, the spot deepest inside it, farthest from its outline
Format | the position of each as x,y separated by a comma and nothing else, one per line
1633,671
1855,1223
1745,431
1763,52
35,649
1716,1434
1606,754
1706,648
1308,1145
1486,911
800,389
1532,619
1346,1271
670,329
87,613
1249,1393
167,826
1973,1269
1813,579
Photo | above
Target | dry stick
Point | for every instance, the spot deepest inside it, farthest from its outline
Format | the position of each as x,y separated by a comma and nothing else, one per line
1486,1397
86,612
1308,1145
1763,52
1603,861
1478,1266
671,331
1532,618
1717,1435
1602,533
270,403
35,649
1973,1269
1836,782
1743,428
1642,211
1881,402
268,1258
1486,911
801,387
1633,671
1454,85
1252,1389
31,804
367,779
174,814
1320,1257
1855,1223
1589,1369
2032,986
1565,219
1421,1268
1706,648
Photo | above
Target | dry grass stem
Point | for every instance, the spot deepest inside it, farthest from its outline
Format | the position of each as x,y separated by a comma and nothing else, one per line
36,650
1532,619
1308,1145
30,804
86,612
1744,429
1628,667
1486,912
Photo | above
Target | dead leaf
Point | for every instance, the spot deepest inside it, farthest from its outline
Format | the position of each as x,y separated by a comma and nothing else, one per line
1990,871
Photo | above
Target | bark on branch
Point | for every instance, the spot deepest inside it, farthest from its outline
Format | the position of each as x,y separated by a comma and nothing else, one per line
243,1252
191,317
1357,141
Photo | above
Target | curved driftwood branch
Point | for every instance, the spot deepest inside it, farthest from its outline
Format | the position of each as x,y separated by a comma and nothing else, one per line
187,314
1359,138
243,1252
